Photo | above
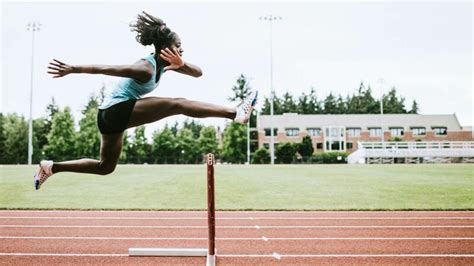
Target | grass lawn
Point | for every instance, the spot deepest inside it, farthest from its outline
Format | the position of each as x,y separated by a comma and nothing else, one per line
239,187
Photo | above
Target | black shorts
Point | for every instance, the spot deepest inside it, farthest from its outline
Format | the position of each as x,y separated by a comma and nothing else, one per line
115,118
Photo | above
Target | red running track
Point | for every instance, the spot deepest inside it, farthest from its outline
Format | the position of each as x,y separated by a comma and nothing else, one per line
242,238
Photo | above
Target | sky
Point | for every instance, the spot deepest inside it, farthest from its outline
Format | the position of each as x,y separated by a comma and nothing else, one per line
424,49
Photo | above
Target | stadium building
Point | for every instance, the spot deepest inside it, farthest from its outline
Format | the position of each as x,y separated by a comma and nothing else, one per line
352,132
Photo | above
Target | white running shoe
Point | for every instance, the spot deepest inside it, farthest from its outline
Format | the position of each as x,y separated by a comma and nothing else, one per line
44,171
244,110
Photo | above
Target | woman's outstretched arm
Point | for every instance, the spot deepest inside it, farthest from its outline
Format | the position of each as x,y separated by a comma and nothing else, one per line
141,71
177,64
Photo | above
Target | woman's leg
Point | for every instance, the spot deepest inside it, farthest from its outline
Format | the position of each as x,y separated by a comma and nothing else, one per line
110,149
152,109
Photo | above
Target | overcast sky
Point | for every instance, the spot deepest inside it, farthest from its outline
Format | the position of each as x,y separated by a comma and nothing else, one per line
424,49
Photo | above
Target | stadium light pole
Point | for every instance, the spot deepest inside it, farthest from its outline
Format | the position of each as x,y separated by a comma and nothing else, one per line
270,18
381,82
33,27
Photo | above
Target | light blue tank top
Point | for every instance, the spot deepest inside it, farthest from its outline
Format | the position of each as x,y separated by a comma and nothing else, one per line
128,88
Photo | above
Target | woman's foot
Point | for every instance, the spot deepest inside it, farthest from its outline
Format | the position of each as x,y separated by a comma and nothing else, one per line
244,110
44,171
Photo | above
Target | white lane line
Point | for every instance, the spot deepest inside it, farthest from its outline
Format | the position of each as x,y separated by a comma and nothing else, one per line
232,238
232,218
276,256
238,227
345,255
252,255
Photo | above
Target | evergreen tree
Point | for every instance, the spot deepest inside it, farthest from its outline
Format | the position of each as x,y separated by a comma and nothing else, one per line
2,138
194,126
392,104
330,104
241,89
414,107
340,106
61,137
314,104
288,104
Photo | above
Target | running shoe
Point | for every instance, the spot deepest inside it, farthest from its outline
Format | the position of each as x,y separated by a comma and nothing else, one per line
43,173
244,110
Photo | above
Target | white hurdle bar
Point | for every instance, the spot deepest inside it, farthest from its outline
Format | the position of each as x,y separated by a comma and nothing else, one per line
210,252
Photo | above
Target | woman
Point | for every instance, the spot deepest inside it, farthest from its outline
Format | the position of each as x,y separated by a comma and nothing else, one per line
124,108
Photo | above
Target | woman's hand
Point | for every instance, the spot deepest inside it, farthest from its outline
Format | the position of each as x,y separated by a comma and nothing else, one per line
59,69
173,58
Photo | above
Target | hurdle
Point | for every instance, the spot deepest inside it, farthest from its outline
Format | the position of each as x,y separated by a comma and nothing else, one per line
210,252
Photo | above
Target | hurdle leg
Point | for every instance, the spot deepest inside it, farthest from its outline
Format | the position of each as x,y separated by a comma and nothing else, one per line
210,252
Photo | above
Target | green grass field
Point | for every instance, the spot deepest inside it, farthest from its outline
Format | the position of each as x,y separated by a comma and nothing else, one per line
239,187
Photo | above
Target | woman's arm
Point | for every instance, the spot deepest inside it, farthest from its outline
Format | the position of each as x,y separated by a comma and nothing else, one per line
177,64
141,71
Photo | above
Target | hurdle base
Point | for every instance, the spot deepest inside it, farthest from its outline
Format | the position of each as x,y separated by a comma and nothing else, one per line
173,252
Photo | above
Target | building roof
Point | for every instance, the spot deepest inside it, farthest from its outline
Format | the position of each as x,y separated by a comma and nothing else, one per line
363,121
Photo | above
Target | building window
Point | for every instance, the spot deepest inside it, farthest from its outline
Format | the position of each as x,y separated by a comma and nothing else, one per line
268,132
314,132
349,145
396,131
334,132
292,132
319,145
440,131
335,145
418,131
353,131
375,131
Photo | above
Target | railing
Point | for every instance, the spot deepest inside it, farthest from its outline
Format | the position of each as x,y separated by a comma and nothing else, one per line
417,145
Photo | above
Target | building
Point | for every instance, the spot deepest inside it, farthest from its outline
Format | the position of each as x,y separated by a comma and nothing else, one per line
343,132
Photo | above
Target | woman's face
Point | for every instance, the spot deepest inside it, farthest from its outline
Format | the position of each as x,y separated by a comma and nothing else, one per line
176,45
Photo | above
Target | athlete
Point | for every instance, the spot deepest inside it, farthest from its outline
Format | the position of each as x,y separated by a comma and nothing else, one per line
125,108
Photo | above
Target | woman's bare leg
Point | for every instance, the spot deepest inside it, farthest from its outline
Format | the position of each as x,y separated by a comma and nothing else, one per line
110,149
152,109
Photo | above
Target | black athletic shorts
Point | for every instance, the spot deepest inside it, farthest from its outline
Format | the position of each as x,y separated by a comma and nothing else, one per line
115,118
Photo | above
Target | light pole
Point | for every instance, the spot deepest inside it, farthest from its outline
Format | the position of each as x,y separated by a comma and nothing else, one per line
33,27
270,18
381,82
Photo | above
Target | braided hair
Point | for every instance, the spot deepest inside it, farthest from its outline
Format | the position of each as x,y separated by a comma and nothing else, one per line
152,30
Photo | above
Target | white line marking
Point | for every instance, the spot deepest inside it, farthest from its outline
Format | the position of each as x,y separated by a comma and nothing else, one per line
231,238
250,255
345,255
232,218
276,256
238,227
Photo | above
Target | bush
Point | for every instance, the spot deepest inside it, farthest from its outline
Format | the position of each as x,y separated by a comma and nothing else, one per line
261,156
285,152
331,157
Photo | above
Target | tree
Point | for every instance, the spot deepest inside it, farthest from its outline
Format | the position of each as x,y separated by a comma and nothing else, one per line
208,141
285,152
15,130
126,147
187,145
393,105
164,147
305,148
88,137
288,104
414,108
340,105
194,126
40,139
330,104
314,104
241,89
261,156
2,138
235,143
61,138
139,148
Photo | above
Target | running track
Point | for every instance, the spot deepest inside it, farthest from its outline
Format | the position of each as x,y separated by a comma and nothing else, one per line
243,238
